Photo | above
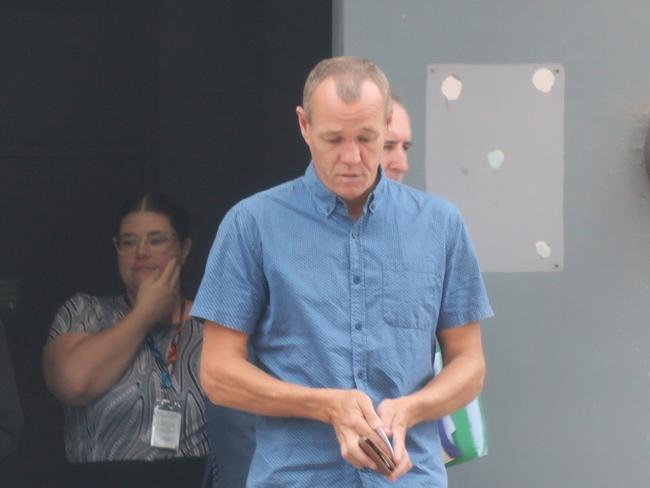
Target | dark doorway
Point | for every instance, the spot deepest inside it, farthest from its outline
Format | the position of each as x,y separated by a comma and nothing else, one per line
101,100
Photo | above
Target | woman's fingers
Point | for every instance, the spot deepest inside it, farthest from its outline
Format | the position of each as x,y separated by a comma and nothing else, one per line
168,272
176,273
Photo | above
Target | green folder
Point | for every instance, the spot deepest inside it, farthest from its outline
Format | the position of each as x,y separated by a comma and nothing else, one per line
462,434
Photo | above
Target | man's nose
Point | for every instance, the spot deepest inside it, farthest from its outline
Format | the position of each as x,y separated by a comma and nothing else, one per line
351,153
401,161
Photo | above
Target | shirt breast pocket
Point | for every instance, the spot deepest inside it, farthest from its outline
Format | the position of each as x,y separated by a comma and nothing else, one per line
410,295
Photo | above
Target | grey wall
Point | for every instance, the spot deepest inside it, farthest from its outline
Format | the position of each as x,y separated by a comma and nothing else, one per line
568,391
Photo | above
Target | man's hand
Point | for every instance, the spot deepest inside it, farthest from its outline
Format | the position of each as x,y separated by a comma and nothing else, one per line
158,293
394,415
353,416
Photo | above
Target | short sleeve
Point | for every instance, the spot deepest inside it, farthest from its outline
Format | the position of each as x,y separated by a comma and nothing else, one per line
76,315
464,298
233,290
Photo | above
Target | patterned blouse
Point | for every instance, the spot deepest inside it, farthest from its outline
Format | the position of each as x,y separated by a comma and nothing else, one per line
117,425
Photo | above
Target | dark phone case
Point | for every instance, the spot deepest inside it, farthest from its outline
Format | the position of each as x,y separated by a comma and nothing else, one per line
381,458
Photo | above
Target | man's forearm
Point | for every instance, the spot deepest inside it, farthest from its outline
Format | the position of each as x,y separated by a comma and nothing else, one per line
458,383
229,379
246,387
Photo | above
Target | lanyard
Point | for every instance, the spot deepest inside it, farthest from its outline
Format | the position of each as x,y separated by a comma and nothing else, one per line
165,377
166,367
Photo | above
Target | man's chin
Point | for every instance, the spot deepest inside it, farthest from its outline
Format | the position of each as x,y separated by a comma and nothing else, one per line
355,192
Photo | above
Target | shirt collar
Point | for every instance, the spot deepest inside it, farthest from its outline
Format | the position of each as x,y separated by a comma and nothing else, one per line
378,195
327,200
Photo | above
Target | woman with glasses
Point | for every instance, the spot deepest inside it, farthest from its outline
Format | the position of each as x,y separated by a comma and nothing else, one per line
126,367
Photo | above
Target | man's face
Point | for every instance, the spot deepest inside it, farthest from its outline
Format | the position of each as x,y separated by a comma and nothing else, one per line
346,140
398,141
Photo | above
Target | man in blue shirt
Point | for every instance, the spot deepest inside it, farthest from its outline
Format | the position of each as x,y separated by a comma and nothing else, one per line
341,280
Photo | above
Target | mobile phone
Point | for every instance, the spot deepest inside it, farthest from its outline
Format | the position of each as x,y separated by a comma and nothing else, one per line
381,458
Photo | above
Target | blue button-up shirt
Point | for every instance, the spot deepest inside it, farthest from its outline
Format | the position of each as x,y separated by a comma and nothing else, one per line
334,303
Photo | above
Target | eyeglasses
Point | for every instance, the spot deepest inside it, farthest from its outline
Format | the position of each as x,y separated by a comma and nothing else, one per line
156,242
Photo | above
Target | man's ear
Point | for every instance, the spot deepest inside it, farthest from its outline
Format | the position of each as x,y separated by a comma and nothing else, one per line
303,122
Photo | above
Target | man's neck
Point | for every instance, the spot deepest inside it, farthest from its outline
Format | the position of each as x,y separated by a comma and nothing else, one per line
355,206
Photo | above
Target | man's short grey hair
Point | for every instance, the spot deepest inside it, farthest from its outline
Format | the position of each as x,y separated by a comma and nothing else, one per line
349,73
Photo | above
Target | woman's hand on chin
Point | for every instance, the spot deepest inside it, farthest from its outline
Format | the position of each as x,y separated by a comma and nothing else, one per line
159,293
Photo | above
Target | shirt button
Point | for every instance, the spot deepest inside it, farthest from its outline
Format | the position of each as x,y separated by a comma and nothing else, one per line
373,207
358,326
360,375
354,235
356,280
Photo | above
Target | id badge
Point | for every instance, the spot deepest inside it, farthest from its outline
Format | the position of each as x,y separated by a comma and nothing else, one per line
166,425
